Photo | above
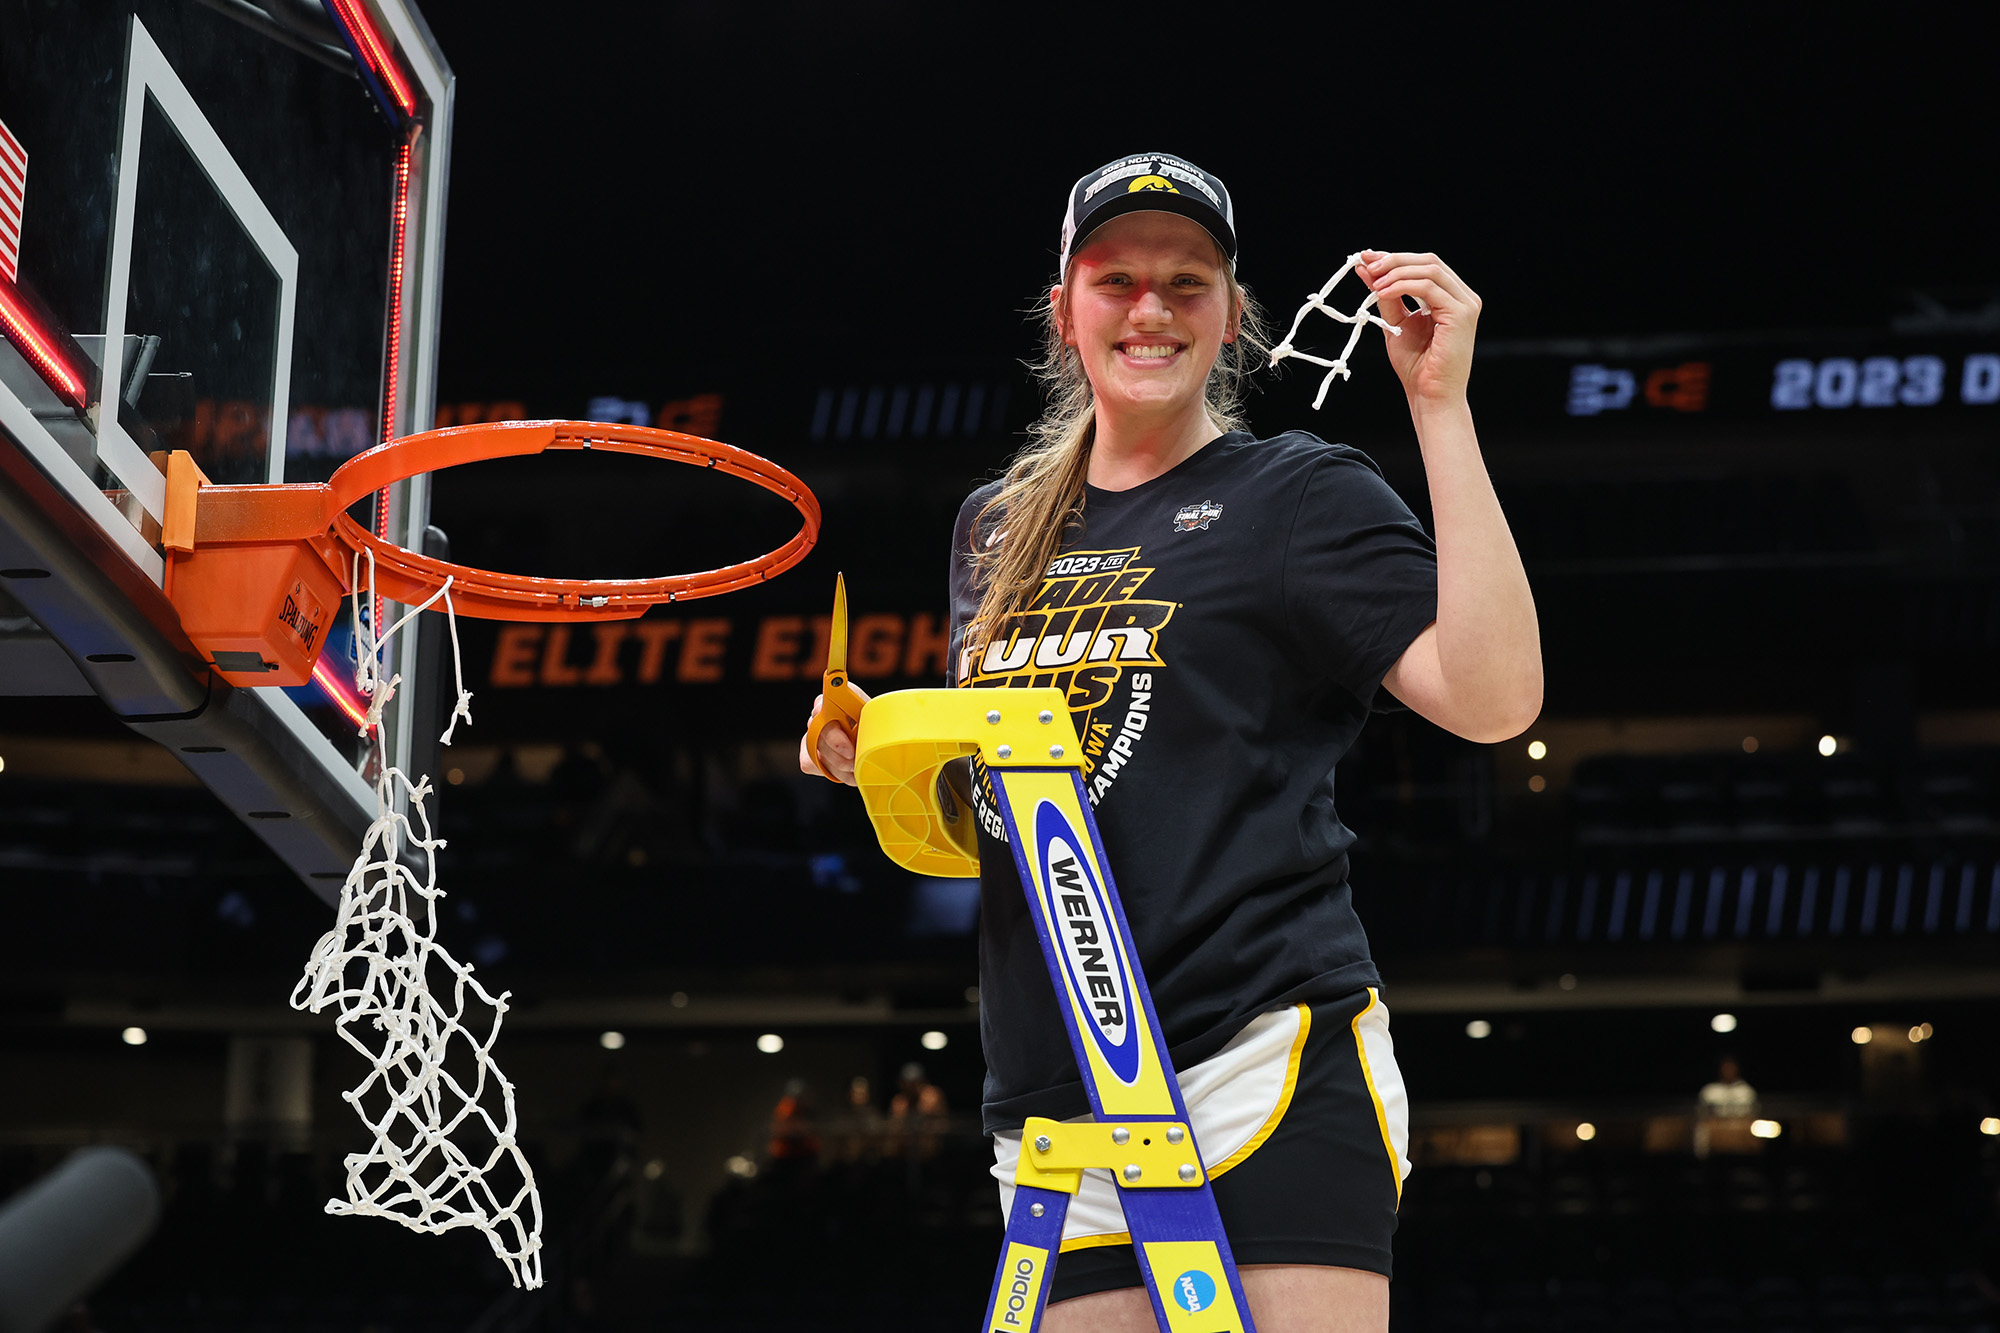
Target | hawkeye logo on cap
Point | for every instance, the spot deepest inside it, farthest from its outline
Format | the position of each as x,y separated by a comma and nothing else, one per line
1151,172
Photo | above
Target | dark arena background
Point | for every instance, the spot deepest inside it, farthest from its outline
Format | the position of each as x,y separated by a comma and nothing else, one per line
1738,386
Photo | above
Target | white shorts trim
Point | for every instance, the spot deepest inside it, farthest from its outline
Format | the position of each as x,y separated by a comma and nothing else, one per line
1233,1097
1385,1084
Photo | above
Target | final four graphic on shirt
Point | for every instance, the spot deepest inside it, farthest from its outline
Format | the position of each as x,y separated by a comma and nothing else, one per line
1197,517
1089,633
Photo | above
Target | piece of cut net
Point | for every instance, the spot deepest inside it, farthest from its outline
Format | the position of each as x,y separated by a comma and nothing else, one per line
1360,319
445,1153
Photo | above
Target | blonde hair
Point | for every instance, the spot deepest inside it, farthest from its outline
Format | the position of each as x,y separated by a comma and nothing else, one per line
1017,533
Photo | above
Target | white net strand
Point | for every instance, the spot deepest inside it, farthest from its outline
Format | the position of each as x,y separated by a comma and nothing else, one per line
430,1074
1360,319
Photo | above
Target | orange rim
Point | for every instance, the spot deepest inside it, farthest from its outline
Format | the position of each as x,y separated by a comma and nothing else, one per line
408,577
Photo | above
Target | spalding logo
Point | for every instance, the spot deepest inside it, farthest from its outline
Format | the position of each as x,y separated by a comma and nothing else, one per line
1091,953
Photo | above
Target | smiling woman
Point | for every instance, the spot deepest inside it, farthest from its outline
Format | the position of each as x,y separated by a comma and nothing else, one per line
1223,613
1192,279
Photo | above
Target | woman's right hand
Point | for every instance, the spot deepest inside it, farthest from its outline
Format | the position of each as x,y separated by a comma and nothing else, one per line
836,748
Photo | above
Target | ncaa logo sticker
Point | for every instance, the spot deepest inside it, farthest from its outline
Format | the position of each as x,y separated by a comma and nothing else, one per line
1091,953
1194,1291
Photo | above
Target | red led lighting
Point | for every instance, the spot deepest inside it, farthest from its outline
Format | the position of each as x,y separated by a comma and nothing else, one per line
355,18
39,347
399,227
342,698
399,250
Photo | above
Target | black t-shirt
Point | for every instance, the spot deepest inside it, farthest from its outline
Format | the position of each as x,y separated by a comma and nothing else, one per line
1221,630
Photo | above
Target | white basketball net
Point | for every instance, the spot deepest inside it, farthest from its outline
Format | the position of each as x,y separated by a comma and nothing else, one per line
1360,319
430,1075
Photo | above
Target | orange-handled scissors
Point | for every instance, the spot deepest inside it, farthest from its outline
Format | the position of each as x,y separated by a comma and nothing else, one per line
840,701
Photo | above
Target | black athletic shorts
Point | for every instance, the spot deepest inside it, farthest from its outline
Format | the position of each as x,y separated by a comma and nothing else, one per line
1318,1178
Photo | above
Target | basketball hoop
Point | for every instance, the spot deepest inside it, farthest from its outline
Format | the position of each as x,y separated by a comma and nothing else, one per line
255,571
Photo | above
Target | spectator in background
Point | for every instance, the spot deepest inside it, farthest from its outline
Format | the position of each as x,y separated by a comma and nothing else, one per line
859,1136
1723,1110
794,1135
917,1112
609,1124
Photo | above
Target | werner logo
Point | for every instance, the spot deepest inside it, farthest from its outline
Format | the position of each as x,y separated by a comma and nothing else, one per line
1088,944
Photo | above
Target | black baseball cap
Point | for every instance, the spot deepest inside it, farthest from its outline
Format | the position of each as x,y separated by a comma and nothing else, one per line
1155,182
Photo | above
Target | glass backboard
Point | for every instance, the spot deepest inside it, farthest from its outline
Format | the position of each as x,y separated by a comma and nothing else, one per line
226,223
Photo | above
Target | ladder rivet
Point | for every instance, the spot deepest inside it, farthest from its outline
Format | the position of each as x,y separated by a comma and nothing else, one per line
1188,1173
1037,1210
1042,1143
1055,752
1175,1133
1133,1172
1047,717
993,716
1005,752
1121,1136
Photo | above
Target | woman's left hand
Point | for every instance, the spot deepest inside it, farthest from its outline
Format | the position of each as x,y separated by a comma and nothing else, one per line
1433,357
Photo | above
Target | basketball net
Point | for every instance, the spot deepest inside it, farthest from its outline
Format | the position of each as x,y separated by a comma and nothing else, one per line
1360,319
431,1075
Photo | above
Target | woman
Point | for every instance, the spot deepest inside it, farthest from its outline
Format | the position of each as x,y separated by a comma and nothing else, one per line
1223,612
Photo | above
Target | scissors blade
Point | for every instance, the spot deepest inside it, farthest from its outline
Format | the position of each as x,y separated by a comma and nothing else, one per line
836,638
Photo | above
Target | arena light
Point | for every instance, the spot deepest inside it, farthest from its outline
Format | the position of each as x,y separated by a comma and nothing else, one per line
612,1041
770,1043
934,1040
1765,1129
1828,745
1990,1126
374,52
1586,1131
1537,750
1921,1032
42,348
1479,1029
1749,745
1722,1023
133,1036
1861,1036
